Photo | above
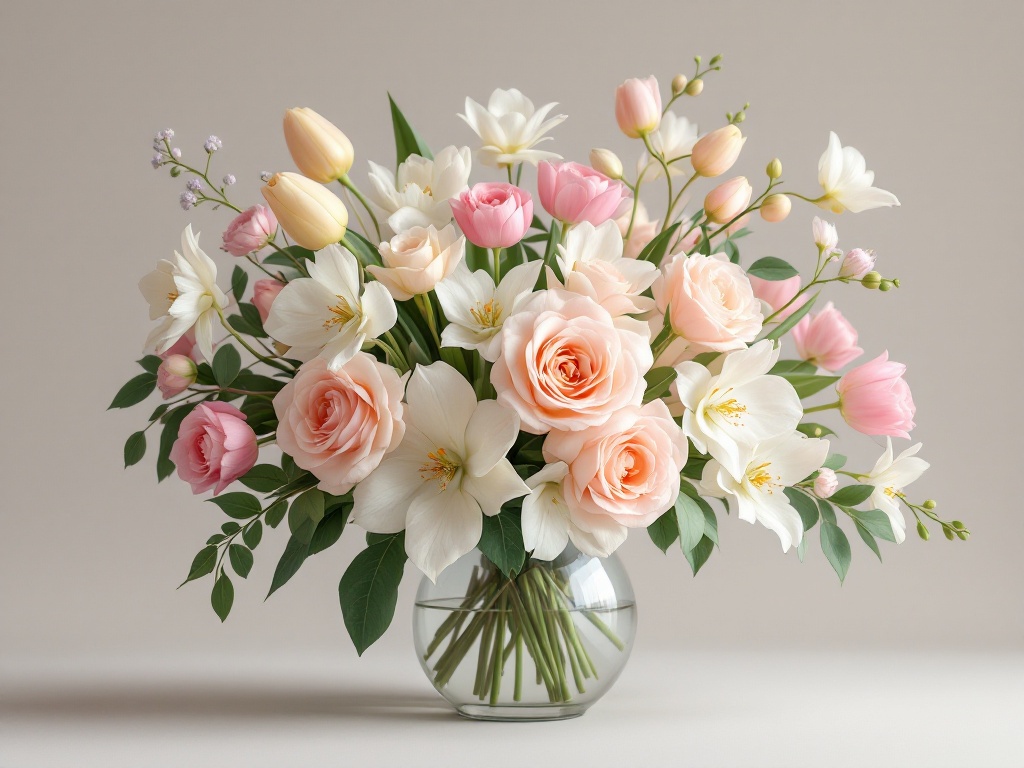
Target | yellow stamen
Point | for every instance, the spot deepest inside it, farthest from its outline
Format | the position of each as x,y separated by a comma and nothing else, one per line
173,296
440,467
342,312
487,315
730,408
891,492
760,477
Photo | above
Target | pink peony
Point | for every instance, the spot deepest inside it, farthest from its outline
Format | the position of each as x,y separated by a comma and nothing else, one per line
572,193
175,374
874,398
493,214
340,424
826,339
777,293
249,231
263,294
214,448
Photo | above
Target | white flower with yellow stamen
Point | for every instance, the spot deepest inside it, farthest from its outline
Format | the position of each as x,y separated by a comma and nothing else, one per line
729,414
330,314
890,476
476,309
510,127
759,490
418,195
846,181
448,471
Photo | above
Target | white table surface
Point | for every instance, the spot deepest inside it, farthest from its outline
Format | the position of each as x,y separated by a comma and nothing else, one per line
702,709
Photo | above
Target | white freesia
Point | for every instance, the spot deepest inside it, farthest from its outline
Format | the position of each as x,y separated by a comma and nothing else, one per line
759,489
889,477
826,237
729,414
183,294
449,470
418,195
592,265
330,314
510,127
674,138
476,310
843,175
548,524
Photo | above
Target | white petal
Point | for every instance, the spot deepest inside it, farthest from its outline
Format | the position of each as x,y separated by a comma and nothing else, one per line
691,383
441,403
545,522
379,311
499,485
204,336
382,499
491,431
443,526
338,270
517,281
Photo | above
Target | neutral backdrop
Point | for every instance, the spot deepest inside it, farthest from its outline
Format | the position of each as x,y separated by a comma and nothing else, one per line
91,554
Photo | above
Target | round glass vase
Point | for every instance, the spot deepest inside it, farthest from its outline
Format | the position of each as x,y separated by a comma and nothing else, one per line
544,645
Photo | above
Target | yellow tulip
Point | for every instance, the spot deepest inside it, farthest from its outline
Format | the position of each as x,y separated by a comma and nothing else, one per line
319,149
312,215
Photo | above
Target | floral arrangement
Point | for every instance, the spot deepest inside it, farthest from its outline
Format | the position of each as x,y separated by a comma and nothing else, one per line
516,383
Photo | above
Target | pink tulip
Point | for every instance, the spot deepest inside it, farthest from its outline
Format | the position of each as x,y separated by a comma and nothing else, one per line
493,214
728,200
572,193
857,263
827,339
249,231
638,106
175,374
777,293
874,398
263,294
214,448
716,153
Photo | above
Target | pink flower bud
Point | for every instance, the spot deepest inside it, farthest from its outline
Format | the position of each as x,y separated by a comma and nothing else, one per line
715,153
827,339
263,294
857,263
638,106
493,214
175,374
826,483
825,235
728,200
875,400
775,208
777,294
249,231
572,193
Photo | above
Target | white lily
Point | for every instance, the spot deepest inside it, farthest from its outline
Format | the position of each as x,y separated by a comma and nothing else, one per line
418,195
729,414
592,265
759,490
674,138
183,294
330,314
890,476
448,471
843,174
476,309
510,127
548,523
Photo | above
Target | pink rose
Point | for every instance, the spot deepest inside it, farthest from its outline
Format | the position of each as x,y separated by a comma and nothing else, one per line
418,259
826,339
175,374
263,294
493,214
874,398
186,346
214,448
626,469
249,231
826,483
709,301
566,364
777,293
638,107
572,193
340,424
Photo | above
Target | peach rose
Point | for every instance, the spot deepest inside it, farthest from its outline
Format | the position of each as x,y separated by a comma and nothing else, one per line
417,260
626,469
709,302
340,424
566,364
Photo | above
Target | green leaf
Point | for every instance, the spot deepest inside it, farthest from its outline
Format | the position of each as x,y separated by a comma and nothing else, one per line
875,522
869,540
772,268
699,555
329,530
655,250
239,505
407,141
226,365
264,478
241,559
295,553
710,523
806,384
732,251
134,449
706,358
502,541
694,467
202,564
690,518
836,547
804,505
814,430
851,495
135,391
231,527
792,366
835,461
223,596
253,534
300,254
252,318
827,513
275,514
664,531
217,538
307,507
783,328
368,591
239,279
365,251
150,363
658,382
172,421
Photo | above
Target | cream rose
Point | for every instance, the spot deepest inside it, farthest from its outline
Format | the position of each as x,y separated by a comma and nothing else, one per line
340,424
417,260
566,364
709,301
626,469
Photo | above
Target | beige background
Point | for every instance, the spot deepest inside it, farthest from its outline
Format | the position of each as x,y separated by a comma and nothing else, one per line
90,555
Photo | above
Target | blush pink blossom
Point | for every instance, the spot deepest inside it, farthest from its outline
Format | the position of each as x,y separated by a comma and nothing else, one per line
339,424
493,214
857,263
572,193
626,469
875,399
638,106
214,448
249,231
777,293
826,339
826,483
263,294
186,346
175,374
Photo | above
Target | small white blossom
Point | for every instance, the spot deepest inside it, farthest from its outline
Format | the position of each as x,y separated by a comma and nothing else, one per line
193,185
229,179
846,181
212,144
187,200
176,153
157,161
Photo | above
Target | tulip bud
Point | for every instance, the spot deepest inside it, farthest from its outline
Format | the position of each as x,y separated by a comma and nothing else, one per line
930,504
922,531
857,263
176,374
775,208
312,216
679,84
715,153
871,280
728,200
607,162
774,169
638,106
319,149
694,87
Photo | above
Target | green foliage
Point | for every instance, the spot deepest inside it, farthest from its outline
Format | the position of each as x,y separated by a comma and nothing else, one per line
407,141
784,327
783,367
873,521
135,391
808,384
134,449
365,251
223,596
835,461
851,495
502,541
330,528
172,421
772,268
368,591
664,531
253,534
690,519
275,514
226,365
869,540
238,504
658,382
264,478
836,547
655,250
812,429
295,553
150,363
202,564
307,507
699,555
805,507
239,279
241,559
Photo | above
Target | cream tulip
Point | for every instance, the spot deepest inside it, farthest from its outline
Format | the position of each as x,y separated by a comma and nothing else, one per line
312,216
728,200
715,153
320,150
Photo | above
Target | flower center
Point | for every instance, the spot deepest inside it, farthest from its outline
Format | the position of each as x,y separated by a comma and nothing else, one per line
732,409
341,313
173,296
761,478
891,492
487,315
439,466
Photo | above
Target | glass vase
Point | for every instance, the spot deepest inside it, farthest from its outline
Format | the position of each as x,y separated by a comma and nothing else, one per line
543,645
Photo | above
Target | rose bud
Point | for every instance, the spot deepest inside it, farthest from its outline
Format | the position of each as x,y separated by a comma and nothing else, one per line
715,153
638,106
312,215
249,231
319,149
728,200
775,208
826,483
175,374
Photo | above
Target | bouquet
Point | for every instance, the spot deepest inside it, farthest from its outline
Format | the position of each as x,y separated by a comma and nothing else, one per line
459,372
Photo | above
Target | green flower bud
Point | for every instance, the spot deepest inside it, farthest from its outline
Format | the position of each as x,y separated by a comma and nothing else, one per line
896,282
948,533
715,59
930,504
922,531
774,169
694,87
679,84
886,285
958,525
963,535
871,280
740,117
175,171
